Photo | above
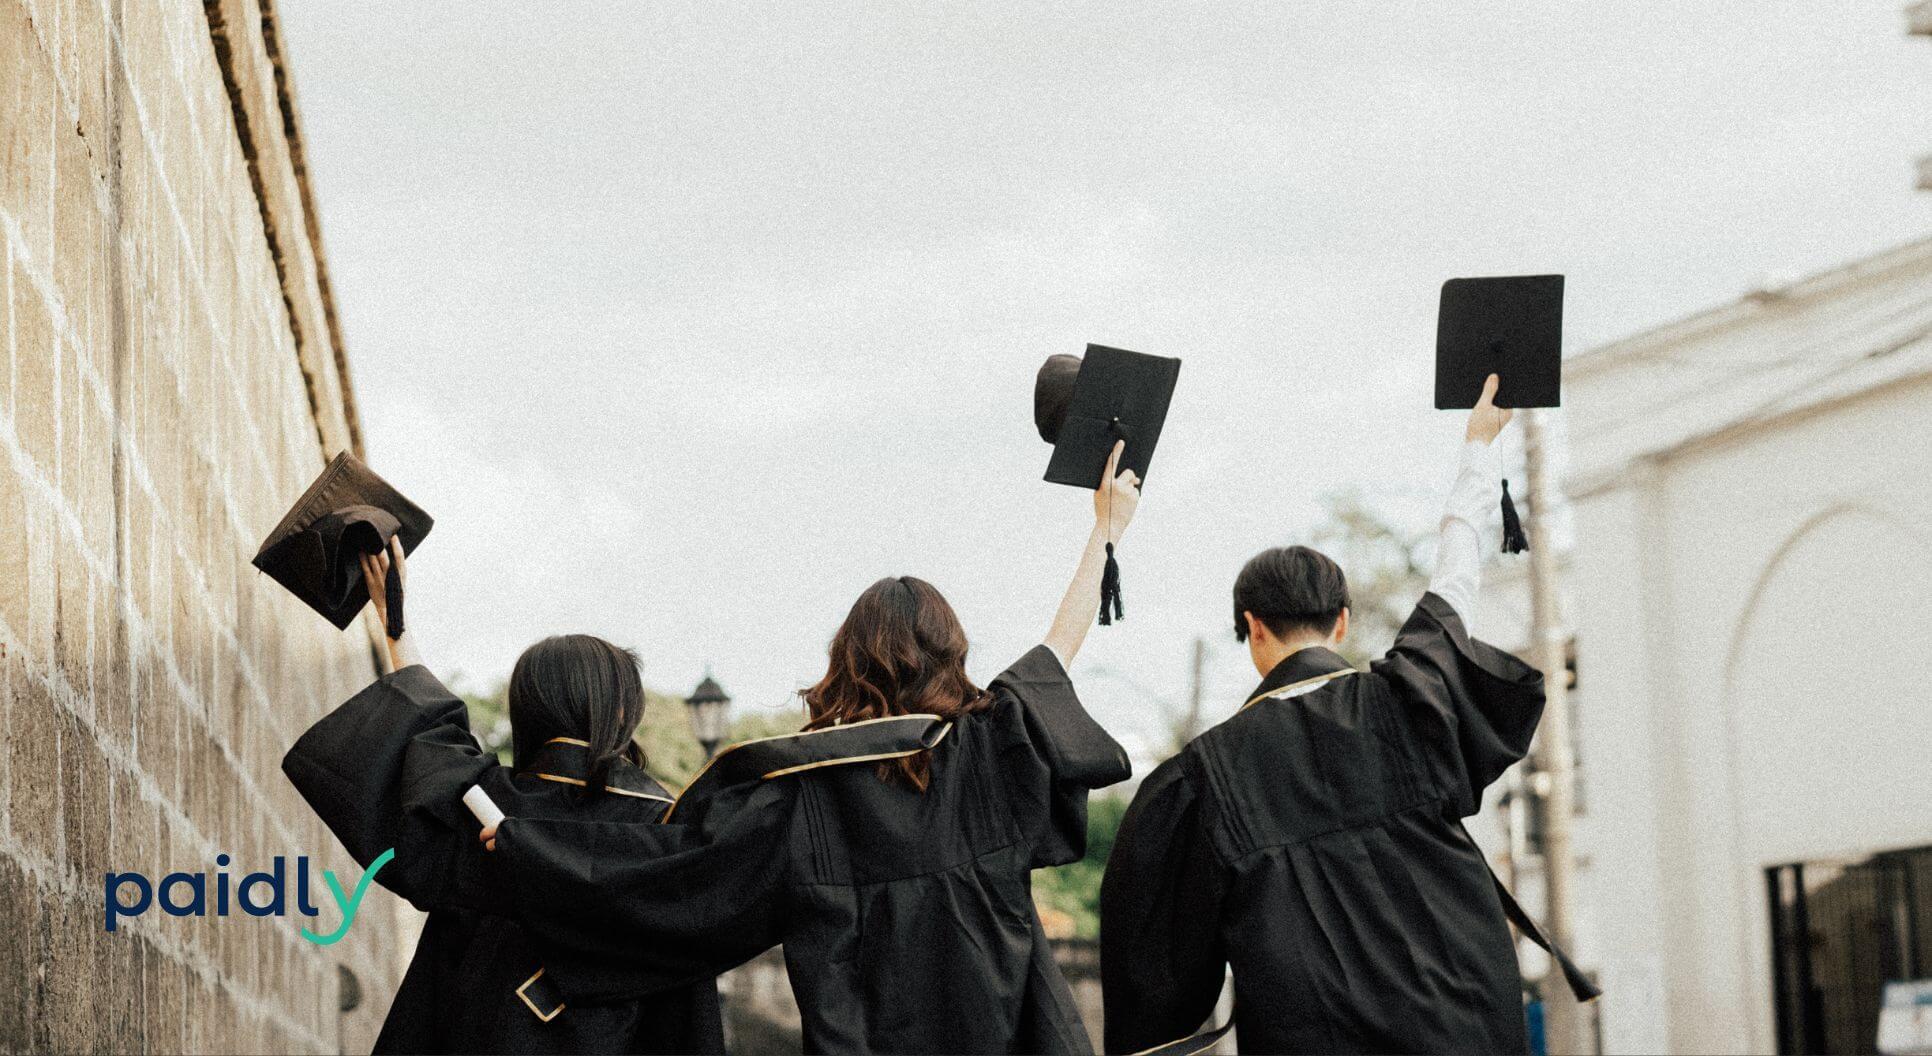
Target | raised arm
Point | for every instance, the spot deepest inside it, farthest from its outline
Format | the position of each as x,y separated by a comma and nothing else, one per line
1113,509
400,651
1459,551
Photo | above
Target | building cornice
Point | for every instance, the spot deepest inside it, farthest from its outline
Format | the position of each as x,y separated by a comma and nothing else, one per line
1610,478
1759,303
254,68
1723,376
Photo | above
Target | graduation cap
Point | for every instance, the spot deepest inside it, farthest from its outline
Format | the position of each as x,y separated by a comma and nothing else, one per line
1082,406
1509,326
316,550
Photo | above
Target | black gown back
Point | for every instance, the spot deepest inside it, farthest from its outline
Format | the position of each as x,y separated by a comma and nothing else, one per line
388,770
907,917
1313,843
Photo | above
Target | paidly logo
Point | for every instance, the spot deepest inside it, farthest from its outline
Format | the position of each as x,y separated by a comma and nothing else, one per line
248,893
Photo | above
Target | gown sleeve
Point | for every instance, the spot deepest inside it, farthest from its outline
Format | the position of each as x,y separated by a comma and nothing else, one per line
387,771
1053,753
1472,706
634,909
1161,959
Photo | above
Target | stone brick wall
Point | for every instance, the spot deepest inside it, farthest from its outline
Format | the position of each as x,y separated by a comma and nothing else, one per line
170,378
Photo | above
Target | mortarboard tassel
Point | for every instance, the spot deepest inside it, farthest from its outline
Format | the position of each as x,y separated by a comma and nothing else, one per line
1514,541
392,598
1110,609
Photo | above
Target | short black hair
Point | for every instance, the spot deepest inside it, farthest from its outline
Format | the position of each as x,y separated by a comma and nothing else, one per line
1290,589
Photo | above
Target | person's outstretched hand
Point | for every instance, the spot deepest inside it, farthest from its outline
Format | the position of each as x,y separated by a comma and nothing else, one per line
1118,495
375,570
1486,419
375,567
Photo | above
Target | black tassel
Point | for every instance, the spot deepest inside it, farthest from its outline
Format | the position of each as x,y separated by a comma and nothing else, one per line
1110,609
392,595
1514,541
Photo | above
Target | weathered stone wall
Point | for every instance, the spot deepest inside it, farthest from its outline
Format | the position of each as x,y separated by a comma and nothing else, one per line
169,381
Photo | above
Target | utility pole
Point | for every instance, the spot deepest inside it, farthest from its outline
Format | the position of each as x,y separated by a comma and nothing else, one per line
1555,755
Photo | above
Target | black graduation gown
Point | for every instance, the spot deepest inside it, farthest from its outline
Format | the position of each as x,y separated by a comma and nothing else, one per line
907,918
1314,843
388,770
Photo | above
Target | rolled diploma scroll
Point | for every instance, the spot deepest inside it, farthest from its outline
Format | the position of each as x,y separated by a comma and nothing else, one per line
482,806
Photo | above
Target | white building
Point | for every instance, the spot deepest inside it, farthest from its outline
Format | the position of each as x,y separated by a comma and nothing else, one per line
1751,591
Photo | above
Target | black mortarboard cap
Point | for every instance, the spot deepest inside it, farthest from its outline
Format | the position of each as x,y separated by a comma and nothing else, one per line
1083,406
316,549
1113,395
1512,327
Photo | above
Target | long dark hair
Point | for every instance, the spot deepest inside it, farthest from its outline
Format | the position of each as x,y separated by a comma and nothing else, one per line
900,651
580,687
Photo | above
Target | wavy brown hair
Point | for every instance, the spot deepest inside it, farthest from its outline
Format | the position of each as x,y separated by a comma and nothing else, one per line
900,651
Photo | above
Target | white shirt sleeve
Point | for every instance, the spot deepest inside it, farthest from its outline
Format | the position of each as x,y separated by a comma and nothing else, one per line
1476,494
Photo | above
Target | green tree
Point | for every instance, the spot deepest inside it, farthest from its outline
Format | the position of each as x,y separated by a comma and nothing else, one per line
671,753
674,756
1074,889
489,716
766,722
1385,565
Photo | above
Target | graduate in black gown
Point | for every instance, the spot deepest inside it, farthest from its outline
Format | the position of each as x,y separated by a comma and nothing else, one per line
388,769
1314,841
889,847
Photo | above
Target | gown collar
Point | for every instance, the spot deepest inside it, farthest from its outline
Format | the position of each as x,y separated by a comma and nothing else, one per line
1305,667
563,760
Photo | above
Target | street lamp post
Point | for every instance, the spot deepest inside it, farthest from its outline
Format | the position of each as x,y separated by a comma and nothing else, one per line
710,714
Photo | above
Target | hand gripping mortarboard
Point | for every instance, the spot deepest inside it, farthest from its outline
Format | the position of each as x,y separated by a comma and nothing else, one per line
1083,406
1509,326
316,550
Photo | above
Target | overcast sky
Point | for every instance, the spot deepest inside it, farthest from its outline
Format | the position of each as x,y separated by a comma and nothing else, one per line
688,321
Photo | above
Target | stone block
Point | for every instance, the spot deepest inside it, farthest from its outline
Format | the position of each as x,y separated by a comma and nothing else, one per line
158,743
80,226
73,611
13,557
33,785
42,547
73,400
6,333
20,956
86,794
36,356
94,491
113,696
131,830
83,50
117,972
27,113
163,1000
71,996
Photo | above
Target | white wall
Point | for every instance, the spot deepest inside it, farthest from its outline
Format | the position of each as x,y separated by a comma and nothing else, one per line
1754,631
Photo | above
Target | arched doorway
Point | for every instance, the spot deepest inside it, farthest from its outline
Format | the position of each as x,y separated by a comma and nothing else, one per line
1830,721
